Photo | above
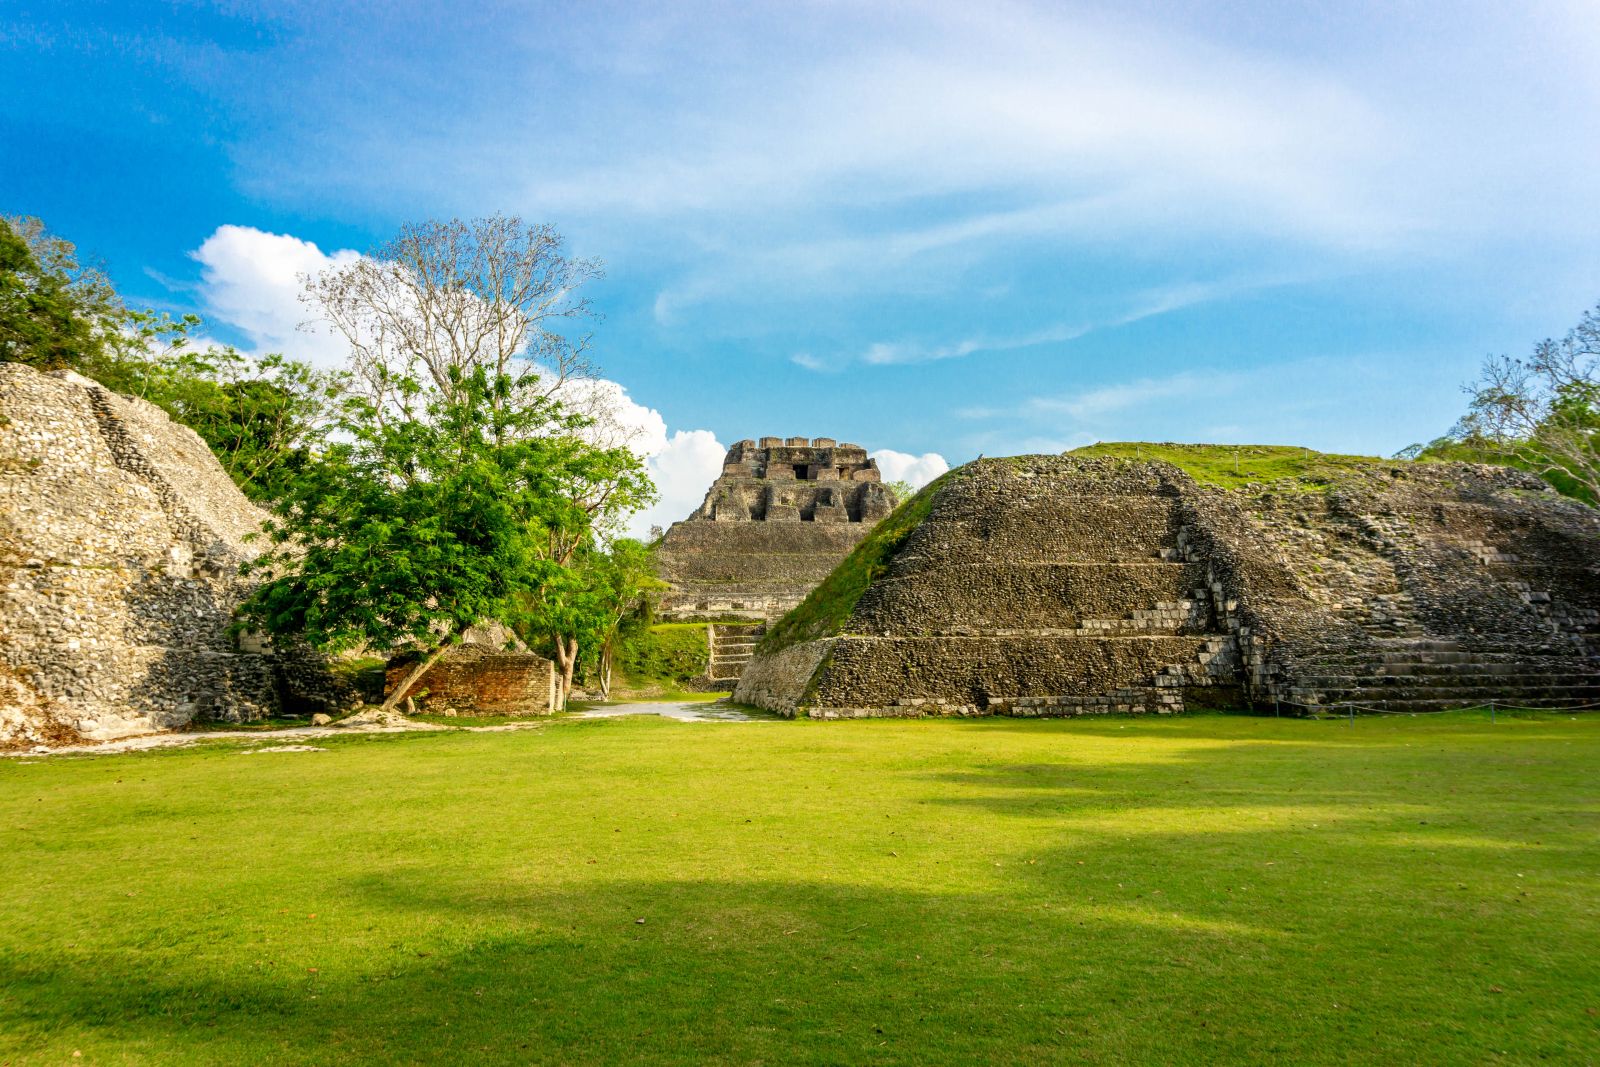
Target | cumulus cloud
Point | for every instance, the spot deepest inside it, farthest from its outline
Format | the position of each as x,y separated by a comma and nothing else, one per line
917,471
250,279
683,470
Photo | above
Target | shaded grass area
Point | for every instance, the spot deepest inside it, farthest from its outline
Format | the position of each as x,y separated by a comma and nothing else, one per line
826,609
1209,888
1234,466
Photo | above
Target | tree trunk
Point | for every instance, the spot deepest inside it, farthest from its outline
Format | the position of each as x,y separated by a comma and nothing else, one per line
605,671
567,656
417,671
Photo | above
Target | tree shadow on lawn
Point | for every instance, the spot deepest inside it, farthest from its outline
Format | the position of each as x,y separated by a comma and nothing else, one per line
1179,908
1082,953
1397,782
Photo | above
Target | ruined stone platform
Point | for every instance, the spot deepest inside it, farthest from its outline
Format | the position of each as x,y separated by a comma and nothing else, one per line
1046,585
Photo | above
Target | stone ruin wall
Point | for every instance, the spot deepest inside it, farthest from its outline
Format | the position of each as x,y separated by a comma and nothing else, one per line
120,543
778,519
1059,586
473,679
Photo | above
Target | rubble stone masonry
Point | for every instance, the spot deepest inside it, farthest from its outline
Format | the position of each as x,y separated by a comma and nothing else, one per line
1059,585
120,542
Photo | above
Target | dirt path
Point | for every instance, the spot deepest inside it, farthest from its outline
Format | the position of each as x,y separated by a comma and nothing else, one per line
373,723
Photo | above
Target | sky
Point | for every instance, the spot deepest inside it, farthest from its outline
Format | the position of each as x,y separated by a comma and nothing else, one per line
935,229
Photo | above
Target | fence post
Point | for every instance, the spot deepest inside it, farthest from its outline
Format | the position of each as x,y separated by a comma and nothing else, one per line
1491,713
1352,708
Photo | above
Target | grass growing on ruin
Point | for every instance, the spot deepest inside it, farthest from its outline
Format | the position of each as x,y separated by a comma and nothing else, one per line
1234,466
1202,889
826,609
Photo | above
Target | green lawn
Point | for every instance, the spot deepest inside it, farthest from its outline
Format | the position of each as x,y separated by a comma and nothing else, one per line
1208,888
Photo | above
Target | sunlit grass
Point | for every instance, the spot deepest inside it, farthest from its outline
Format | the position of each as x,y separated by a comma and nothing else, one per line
1232,466
1133,891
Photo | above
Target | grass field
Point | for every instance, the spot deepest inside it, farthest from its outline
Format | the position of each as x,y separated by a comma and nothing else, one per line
1209,888
1234,466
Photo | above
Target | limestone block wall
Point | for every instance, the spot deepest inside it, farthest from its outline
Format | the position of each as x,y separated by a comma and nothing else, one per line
120,542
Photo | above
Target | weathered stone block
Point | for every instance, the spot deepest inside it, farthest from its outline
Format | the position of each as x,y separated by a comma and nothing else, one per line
470,680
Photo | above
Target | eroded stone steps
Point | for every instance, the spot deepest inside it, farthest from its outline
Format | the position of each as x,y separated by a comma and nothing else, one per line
1575,691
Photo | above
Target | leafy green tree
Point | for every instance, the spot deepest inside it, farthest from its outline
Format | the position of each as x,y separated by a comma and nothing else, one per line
410,529
577,614
902,491
1541,414
54,313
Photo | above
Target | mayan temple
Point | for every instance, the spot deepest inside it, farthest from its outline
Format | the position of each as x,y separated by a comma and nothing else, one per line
781,515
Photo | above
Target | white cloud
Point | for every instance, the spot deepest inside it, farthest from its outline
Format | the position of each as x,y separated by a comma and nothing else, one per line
250,279
810,362
1144,305
917,471
1107,400
618,420
683,470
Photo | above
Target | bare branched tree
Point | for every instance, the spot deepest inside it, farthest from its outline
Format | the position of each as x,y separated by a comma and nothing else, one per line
443,299
1543,413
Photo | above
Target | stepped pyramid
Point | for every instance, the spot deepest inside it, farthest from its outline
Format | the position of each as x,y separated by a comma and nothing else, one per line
1046,585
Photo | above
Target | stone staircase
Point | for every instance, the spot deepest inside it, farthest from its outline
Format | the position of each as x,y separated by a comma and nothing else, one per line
1537,654
1422,674
731,647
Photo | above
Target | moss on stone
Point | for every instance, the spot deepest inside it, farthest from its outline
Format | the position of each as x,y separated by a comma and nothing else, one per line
827,608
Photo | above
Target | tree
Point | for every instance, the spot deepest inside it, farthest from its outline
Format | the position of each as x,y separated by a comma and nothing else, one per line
578,613
262,416
1542,413
463,490
902,490
443,299
54,313
406,532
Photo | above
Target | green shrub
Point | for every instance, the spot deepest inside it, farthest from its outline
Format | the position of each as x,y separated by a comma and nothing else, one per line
665,652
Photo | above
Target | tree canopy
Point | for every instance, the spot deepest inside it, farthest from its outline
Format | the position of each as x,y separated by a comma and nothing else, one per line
1540,413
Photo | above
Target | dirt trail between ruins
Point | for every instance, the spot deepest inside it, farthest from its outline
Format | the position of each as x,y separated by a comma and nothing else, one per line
372,723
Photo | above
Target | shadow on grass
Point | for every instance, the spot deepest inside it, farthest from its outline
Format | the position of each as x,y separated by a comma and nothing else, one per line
1281,897
1222,954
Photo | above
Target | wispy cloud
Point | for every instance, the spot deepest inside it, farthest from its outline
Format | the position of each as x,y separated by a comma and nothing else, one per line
1145,305
1107,400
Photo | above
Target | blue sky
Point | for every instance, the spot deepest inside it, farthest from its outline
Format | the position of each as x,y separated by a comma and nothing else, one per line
928,227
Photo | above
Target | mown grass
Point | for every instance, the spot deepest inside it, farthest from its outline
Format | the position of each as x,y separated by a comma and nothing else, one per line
1204,889
827,608
1234,466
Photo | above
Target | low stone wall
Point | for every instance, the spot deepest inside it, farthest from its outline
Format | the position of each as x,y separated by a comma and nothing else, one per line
778,681
471,680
